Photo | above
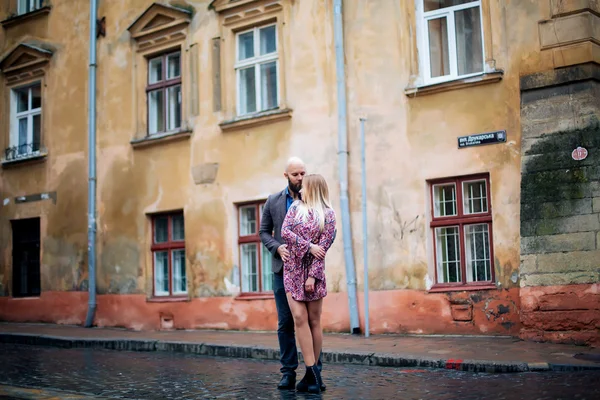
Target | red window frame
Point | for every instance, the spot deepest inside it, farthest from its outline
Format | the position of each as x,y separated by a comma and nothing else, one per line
163,85
170,245
252,238
461,220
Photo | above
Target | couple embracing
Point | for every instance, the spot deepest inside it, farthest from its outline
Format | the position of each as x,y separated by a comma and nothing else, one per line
298,227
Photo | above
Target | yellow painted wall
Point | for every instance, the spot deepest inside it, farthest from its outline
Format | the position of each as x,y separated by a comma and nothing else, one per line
409,140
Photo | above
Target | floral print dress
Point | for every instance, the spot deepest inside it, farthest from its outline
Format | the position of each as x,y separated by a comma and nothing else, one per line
298,235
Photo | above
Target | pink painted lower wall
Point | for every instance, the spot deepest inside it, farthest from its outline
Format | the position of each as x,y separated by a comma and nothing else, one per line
493,312
561,314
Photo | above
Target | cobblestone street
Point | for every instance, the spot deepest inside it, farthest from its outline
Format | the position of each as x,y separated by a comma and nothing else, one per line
156,375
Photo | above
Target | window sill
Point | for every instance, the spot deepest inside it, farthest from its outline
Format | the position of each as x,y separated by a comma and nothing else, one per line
18,19
26,160
256,296
167,299
257,119
461,288
161,138
482,79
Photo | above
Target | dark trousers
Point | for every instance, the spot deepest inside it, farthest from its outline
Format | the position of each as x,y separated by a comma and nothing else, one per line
285,330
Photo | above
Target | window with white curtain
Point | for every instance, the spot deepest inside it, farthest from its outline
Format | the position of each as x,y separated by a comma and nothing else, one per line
255,258
168,255
26,117
164,93
257,70
27,6
461,222
451,39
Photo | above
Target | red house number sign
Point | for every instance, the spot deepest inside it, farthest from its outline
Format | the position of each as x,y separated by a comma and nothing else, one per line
579,154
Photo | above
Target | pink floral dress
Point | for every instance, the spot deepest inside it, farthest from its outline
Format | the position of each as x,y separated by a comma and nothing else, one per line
298,235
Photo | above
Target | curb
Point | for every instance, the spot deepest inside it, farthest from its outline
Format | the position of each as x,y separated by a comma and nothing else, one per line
37,393
266,353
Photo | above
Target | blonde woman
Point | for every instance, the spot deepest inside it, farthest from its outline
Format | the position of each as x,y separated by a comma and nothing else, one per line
309,231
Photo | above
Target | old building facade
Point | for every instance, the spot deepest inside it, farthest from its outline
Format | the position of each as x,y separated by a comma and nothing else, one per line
200,103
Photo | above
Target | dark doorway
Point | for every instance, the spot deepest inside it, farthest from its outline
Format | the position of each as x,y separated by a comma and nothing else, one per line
26,257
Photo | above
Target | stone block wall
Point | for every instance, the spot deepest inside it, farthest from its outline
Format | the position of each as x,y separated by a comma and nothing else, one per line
560,206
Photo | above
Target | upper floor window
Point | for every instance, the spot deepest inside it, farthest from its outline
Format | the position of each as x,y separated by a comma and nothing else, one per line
23,71
462,231
452,39
255,259
26,6
168,251
257,70
164,93
25,123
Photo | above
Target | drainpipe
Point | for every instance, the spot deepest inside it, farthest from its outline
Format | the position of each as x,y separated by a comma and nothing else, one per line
343,164
89,321
363,159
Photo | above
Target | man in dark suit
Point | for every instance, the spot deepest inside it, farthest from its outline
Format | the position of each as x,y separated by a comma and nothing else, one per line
274,213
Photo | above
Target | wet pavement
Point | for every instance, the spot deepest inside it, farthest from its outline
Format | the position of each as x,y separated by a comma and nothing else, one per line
468,353
162,375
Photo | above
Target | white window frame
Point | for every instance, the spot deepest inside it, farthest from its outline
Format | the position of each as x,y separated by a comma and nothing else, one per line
29,114
267,280
33,5
174,290
445,200
256,61
464,204
457,248
157,291
246,268
241,217
422,27
468,261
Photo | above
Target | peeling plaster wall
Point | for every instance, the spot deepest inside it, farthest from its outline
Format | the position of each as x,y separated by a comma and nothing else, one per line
409,140
64,123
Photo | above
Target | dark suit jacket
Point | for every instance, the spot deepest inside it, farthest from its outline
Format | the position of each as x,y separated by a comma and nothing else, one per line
274,213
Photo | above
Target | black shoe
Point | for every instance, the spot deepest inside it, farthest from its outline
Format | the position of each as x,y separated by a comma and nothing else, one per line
323,387
287,382
316,382
302,386
311,382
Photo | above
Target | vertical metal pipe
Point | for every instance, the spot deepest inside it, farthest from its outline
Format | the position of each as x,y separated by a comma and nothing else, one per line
89,321
363,159
343,164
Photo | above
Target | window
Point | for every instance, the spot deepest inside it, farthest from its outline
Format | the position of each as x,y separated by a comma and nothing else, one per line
462,231
168,253
26,6
452,38
26,112
257,70
255,259
164,93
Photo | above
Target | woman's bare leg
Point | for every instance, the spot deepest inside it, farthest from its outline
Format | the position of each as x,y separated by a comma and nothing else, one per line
314,321
303,333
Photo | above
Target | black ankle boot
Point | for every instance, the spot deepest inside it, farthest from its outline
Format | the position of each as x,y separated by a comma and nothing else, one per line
316,382
302,386
311,382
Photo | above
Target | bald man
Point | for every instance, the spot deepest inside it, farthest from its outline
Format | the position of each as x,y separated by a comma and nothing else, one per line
274,213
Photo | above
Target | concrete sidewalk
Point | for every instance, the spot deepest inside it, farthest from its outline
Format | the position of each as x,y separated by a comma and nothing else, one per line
466,353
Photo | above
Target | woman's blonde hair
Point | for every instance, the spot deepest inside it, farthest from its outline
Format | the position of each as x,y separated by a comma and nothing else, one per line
315,197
